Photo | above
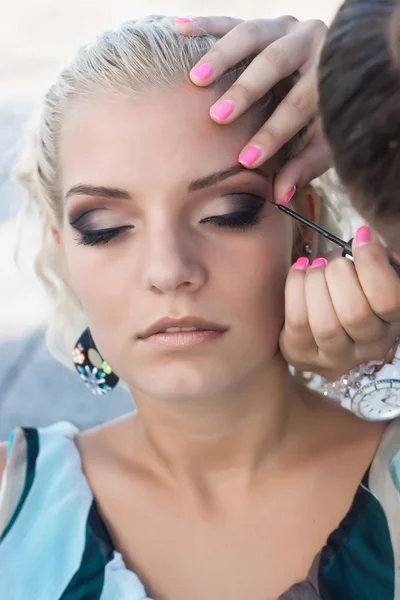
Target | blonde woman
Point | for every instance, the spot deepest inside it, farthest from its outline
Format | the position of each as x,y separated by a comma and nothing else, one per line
232,479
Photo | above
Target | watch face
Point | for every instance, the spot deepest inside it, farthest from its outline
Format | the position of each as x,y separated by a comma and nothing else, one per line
378,400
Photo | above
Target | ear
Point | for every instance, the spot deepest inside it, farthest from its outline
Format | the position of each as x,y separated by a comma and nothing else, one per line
308,203
57,239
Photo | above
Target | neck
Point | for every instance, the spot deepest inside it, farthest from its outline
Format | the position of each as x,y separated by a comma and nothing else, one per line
230,436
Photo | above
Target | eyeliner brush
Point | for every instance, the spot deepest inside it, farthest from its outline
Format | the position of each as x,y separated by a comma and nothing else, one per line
326,234
347,251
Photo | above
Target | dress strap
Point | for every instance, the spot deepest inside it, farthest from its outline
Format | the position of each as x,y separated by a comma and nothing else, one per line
14,483
13,478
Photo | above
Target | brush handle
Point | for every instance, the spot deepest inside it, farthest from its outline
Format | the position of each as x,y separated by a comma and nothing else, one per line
347,246
348,252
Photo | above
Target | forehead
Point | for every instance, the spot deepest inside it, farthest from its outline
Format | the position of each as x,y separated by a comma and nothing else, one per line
168,133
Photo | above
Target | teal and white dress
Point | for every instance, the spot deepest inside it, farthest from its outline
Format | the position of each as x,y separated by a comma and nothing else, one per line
55,546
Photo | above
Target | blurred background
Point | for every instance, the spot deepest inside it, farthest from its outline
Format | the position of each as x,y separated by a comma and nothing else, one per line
36,37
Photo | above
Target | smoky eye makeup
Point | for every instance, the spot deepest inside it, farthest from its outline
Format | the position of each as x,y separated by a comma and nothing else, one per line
94,218
234,211
98,226
244,212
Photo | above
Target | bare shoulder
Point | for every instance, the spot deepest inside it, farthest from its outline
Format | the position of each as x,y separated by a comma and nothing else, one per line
105,441
106,456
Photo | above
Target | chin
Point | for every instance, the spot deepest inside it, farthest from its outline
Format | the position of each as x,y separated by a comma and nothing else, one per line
182,382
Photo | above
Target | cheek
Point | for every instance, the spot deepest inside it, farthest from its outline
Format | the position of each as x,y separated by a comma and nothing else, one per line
265,283
246,279
99,279
257,272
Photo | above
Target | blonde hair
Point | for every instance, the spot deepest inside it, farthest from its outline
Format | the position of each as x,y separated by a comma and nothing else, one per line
138,57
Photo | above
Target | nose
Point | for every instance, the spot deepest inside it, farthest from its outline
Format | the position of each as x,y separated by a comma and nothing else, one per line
173,264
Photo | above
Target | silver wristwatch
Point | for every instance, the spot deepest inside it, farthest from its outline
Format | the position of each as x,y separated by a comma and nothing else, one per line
371,394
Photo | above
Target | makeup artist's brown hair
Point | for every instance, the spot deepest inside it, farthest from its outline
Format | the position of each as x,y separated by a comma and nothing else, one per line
360,102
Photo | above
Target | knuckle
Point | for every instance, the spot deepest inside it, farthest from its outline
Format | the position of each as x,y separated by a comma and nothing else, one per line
385,303
288,21
202,21
296,319
317,26
301,104
389,309
356,317
243,91
216,54
267,136
339,269
275,58
298,322
372,253
327,333
339,272
253,28
316,32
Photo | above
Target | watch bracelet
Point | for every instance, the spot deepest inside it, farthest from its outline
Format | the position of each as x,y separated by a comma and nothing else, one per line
341,389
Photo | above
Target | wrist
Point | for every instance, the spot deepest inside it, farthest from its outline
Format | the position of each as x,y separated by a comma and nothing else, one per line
372,367
371,390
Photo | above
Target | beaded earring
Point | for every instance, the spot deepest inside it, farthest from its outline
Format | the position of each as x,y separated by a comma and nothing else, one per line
99,380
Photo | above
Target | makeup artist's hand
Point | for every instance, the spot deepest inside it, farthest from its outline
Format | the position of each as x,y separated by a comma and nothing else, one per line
339,315
282,47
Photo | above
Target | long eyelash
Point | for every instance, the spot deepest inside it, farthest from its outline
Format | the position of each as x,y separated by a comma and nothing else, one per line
237,220
99,236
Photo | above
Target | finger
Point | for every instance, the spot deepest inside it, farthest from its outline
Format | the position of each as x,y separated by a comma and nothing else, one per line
355,314
296,339
295,111
330,337
379,281
246,39
312,162
276,62
198,26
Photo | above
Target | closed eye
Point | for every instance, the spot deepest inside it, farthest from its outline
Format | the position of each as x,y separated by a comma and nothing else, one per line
246,216
236,220
96,237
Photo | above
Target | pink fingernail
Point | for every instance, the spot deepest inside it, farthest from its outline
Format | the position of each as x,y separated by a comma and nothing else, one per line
202,72
222,110
183,20
301,263
249,156
319,262
289,196
363,236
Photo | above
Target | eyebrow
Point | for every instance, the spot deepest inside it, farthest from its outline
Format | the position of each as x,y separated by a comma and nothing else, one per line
96,190
197,184
215,178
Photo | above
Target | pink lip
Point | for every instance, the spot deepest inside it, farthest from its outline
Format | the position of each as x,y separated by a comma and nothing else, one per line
161,325
183,339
